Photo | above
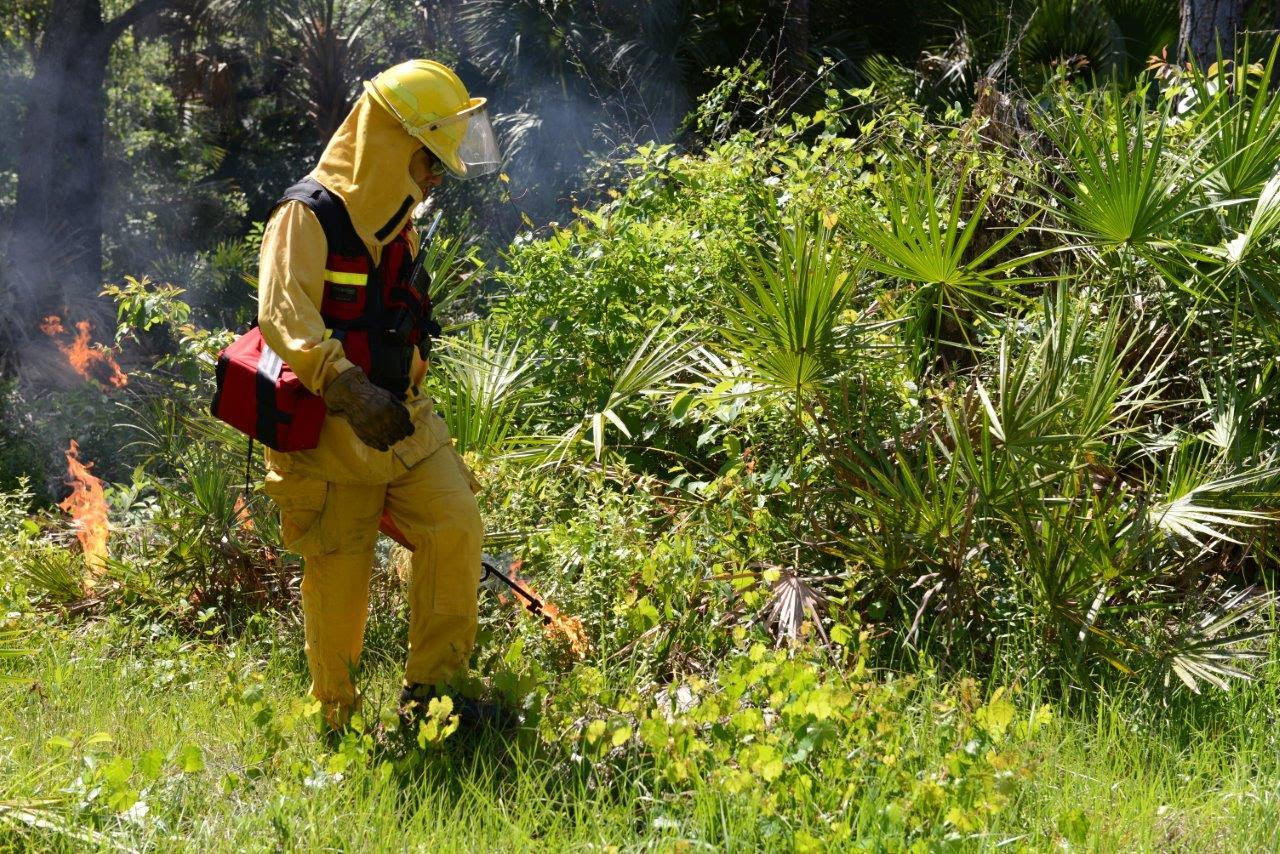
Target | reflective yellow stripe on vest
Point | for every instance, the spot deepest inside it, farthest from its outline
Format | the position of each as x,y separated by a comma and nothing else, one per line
359,279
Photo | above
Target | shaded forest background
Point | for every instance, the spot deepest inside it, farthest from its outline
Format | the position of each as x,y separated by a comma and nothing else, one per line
155,134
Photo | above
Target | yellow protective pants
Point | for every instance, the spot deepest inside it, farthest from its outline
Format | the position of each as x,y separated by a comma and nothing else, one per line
334,526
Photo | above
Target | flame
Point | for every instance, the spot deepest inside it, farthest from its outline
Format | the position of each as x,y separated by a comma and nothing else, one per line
555,624
243,519
88,507
91,361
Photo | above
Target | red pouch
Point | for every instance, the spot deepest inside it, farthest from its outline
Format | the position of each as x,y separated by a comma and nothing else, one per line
259,395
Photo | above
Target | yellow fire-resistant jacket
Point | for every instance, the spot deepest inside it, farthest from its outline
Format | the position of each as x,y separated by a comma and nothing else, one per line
366,164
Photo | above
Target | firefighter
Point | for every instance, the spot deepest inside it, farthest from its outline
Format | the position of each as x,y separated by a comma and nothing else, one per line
334,302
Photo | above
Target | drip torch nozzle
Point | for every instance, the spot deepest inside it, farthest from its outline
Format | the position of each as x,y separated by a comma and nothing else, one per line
532,603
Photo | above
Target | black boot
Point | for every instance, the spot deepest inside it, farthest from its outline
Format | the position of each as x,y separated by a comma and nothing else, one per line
472,714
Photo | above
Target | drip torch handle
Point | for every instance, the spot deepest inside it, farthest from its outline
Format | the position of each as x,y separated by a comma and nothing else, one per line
424,240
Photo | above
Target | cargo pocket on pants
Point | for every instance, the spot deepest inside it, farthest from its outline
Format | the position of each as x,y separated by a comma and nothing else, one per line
302,502
423,442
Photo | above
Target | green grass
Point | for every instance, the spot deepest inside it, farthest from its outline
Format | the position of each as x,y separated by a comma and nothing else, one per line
1200,776
1186,781
476,794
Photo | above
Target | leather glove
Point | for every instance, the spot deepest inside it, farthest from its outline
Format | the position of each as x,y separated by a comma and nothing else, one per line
377,418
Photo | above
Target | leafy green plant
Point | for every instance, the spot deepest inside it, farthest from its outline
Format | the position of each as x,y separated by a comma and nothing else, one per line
928,241
658,358
788,328
12,649
453,268
1120,186
1237,109
485,390
1244,277
213,541
1204,650
55,574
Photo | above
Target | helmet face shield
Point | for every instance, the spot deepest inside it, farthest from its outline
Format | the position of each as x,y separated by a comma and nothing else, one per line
478,149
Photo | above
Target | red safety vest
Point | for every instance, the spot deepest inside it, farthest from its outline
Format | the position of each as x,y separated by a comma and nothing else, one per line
372,309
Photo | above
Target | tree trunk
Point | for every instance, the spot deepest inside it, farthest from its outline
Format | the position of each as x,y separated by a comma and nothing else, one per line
437,19
55,237
1205,24
54,241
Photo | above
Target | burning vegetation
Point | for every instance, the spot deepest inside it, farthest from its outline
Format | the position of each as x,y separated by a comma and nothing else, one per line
87,506
243,518
91,361
556,625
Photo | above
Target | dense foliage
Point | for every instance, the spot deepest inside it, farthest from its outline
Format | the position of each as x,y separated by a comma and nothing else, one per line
212,107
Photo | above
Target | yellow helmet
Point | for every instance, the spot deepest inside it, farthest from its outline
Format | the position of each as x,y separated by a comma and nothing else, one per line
433,105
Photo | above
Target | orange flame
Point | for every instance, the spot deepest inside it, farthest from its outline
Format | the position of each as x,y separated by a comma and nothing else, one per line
556,625
88,507
91,361
243,519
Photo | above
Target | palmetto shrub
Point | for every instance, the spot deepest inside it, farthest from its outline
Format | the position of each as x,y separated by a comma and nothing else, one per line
1035,512
1091,492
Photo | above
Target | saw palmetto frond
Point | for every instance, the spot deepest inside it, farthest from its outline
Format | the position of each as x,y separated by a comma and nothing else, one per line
1213,648
793,601
1195,517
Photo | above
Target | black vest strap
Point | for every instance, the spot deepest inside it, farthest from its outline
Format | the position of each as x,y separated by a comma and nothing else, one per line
269,414
396,218
390,352
333,216
343,240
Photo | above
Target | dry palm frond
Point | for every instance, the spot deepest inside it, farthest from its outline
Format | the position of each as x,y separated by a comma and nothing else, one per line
793,603
1190,516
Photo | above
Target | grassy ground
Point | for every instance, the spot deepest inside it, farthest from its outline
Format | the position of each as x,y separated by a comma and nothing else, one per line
127,736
